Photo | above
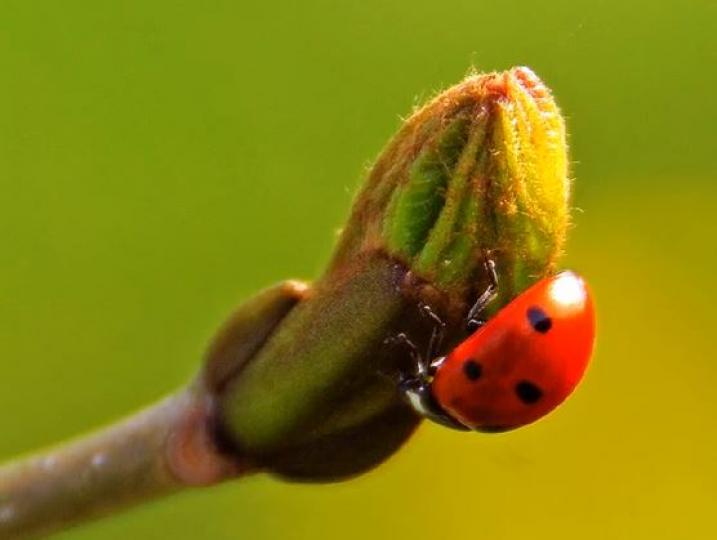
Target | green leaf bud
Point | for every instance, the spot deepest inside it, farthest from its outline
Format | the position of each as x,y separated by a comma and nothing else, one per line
481,170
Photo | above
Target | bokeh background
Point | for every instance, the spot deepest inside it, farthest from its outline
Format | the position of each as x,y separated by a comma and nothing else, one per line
160,161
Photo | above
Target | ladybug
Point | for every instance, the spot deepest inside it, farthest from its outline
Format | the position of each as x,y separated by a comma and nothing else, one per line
516,367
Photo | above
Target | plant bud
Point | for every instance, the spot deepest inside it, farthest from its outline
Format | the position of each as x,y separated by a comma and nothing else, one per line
481,170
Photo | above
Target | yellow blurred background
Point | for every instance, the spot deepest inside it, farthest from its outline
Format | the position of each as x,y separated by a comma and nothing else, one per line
160,161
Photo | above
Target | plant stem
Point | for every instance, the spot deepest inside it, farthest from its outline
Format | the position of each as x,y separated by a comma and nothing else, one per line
161,449
169,446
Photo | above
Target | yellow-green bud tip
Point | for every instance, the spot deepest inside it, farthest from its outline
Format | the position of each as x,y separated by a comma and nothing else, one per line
482,168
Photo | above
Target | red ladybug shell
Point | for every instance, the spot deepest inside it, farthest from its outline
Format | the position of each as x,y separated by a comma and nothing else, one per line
524,361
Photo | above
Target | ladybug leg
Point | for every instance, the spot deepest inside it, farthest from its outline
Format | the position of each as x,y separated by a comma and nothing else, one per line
473,319
416,388
424,366
403,340
437,333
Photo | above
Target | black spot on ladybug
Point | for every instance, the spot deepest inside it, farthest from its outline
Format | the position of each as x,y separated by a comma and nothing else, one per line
539,320
472,370
527,392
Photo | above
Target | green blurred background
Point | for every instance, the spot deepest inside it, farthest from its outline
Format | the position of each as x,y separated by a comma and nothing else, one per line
160,161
